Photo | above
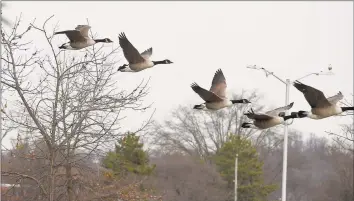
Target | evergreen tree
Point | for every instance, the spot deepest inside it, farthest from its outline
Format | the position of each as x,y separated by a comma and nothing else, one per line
251,185
128,156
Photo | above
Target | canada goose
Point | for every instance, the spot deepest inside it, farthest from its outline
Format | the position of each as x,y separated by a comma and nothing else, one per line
79,38
215,98
321,107
137,61
268,119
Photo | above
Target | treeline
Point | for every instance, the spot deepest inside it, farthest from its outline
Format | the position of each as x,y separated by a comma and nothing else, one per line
318,169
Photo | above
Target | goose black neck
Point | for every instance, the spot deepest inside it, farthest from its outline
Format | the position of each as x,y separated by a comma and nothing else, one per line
292,116
99,40
158,62
289,117
237,101
347,108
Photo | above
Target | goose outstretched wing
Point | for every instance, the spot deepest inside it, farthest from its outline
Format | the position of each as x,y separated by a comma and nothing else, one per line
314,97
278,110
83,29
257,116
147,53
129,51
334,99
206,95
218,85
73,35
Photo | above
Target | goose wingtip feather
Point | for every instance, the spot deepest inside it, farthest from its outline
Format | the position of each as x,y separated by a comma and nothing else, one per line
300,86
59,32
296,82
218,71
122,35
194,85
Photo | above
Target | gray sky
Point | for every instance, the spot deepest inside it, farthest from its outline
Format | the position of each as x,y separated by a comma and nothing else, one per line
290,38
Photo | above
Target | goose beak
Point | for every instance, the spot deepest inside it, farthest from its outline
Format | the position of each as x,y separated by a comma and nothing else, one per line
120,68
246,125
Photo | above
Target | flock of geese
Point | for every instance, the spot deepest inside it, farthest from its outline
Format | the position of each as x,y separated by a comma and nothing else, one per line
214,98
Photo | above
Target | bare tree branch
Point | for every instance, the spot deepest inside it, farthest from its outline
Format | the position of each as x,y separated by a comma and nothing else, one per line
68,104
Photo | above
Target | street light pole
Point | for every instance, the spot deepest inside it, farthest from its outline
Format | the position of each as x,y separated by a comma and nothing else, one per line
285,149
236,167
287,83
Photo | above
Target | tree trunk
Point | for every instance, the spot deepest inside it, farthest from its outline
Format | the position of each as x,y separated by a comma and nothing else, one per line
52,180
69,179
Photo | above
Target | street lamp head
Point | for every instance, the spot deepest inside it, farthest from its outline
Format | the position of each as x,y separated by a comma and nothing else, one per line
329,72
325,73
253,67
330,67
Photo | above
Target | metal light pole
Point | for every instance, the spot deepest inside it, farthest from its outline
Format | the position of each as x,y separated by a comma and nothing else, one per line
236,160
287,83
98,167
285,149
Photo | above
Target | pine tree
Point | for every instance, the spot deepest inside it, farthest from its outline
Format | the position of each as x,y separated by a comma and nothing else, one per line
251,185
128,156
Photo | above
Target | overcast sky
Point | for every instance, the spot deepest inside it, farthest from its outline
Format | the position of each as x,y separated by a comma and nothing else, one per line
290,38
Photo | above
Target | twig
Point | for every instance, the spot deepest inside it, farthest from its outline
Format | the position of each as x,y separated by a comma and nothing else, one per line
5,173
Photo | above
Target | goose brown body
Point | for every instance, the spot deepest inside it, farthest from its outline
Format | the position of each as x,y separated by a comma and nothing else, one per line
321,107
264,124
79,38
268,119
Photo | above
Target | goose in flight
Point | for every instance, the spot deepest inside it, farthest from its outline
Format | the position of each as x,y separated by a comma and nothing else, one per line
137,61
321,107
268,119
79,38
215,98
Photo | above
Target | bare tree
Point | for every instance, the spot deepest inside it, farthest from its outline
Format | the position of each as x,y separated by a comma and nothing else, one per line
204,132
317,169
69,103
345,138
91,182
182,177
